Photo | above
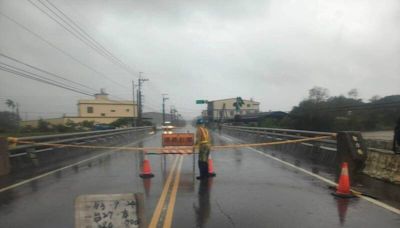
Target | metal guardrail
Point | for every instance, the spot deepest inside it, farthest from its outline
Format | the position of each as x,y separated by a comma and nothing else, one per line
68,138
281,130
323,152
284,133
278,134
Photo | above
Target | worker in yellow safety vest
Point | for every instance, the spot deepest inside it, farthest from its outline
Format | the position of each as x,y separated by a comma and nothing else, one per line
204,144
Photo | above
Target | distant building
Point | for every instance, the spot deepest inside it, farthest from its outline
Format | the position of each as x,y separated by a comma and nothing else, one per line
102,107
156,117
100,110
225,109
204,114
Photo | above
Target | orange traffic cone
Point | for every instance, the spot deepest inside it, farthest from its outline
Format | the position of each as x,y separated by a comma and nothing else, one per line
211,172
146,169
343,188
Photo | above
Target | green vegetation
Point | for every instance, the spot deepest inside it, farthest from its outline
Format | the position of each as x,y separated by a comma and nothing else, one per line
321,112
9,126
128,122
122,122
271,123
8,121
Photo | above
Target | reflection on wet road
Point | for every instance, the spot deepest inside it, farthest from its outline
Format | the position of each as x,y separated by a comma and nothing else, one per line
250,190
203,207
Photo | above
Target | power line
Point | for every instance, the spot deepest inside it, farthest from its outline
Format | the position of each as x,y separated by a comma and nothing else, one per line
41,80
46,72
40,77
90,37
60,50
29,76
79,35
75,33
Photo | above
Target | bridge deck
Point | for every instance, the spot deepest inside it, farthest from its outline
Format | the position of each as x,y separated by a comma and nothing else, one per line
250,190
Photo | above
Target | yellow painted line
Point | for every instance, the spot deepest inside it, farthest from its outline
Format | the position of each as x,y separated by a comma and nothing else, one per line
172,198
161,201
49,173
373,201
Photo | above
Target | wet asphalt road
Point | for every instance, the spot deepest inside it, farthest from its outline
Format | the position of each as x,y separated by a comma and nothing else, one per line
250,190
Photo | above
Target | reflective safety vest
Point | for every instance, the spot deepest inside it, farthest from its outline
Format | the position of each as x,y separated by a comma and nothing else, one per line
203,136
203,140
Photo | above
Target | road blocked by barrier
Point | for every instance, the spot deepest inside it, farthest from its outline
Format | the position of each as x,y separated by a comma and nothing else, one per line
161,149
177,139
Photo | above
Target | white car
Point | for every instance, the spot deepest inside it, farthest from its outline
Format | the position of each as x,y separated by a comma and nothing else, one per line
167,128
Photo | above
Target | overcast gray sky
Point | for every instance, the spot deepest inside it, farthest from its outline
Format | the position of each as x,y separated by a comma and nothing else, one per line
272,51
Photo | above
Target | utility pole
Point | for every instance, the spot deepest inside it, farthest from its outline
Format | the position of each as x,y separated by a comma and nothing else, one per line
164,98
140,105
17,109
18,117
133,103
172,113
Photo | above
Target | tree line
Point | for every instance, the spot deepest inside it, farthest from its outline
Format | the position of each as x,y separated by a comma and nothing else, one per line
321,112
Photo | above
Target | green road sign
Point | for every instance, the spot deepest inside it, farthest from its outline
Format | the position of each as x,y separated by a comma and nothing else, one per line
201,101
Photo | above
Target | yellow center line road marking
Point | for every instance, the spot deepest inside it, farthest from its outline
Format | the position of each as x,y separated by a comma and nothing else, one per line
161,201
172,198
376,202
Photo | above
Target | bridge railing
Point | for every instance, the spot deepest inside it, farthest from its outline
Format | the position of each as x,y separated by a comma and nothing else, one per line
280,134
322,152
76,138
